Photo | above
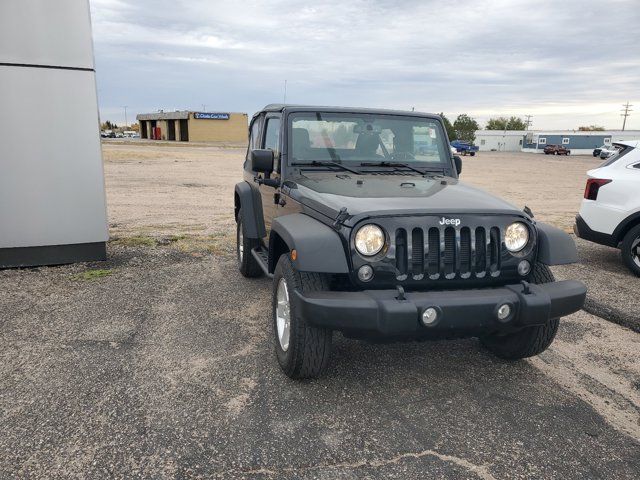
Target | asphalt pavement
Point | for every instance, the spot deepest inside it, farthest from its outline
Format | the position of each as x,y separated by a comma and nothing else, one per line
162,366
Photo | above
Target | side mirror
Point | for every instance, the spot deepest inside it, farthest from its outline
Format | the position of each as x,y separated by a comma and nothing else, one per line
458,162
262,161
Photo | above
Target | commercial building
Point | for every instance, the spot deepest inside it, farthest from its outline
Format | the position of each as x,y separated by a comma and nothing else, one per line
500,140
534,141
52,198
187,126
578,142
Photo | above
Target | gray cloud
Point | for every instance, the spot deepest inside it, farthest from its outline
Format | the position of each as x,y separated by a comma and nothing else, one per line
567,63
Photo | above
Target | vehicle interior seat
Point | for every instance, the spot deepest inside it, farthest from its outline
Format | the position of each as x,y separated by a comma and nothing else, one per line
367,144
301,143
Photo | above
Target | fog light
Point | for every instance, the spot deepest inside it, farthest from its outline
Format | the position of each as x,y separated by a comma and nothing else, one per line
429,316
504,311
524,267
365,273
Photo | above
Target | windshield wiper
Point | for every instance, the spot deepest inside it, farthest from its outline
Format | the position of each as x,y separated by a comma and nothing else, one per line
391,164
317,163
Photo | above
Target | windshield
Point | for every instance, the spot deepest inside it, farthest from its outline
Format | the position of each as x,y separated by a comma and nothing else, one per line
356,138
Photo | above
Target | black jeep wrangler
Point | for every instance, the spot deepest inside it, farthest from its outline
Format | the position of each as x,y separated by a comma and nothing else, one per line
359,217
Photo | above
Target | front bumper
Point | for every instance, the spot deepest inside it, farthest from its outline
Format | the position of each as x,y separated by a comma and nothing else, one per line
459,311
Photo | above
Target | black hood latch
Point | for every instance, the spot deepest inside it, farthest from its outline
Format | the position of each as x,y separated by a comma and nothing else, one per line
340,218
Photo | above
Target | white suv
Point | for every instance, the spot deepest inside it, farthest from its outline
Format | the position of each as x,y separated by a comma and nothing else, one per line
610,212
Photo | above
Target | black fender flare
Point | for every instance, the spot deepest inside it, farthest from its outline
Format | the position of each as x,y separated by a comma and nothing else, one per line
248,197
318,247
555,247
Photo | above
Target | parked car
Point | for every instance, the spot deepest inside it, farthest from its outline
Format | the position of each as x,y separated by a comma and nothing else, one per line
364,235
464,147
607,151
596,151
610,211
556,150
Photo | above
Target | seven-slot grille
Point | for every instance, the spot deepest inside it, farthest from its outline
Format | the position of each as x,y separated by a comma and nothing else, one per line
447,252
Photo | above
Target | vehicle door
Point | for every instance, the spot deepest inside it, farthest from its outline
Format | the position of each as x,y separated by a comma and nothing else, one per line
255,142
270,195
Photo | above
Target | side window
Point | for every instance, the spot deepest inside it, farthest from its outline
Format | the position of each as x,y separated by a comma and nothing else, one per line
272,140
254,141
254,138
565,141
542,141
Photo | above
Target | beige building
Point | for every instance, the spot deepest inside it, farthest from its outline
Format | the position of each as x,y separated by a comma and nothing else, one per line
187,126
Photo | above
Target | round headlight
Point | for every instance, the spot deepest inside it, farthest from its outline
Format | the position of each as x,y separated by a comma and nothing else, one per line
369,240
516,236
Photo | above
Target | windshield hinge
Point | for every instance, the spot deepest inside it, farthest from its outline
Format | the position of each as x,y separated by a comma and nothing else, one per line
340,218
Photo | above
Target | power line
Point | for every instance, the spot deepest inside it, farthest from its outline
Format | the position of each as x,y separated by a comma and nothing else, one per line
626,113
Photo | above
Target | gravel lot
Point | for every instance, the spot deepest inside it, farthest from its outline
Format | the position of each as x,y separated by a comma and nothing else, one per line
159,363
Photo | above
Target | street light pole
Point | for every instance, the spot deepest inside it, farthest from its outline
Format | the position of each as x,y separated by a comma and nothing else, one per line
125,116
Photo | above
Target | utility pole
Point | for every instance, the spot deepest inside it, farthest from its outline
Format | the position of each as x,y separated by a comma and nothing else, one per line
204,107
127,123
528,121
284,100
626,113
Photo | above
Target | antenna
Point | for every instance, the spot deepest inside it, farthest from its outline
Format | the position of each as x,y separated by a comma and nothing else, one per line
626,113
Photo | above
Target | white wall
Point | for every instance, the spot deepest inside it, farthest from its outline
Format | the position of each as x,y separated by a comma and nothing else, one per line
51,174
509,141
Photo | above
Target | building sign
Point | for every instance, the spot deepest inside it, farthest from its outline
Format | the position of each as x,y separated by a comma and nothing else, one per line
210,116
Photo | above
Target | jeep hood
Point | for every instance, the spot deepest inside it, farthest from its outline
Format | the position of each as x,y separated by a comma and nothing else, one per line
373,195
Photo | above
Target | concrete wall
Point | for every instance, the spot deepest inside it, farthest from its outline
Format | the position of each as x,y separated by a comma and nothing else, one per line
232,130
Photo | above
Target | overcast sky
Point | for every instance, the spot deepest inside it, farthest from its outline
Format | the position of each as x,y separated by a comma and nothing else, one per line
567,63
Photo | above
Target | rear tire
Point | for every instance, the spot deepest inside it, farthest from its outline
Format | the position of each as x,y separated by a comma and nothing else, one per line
630,250
248,266
307,349
529,341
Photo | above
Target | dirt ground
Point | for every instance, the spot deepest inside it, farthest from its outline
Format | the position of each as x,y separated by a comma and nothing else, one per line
169,189
159,362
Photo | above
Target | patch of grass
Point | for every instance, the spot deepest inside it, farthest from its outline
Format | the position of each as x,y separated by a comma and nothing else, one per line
93,274
135,241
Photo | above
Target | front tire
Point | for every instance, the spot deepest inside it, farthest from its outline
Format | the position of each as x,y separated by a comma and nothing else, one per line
529,341
247,265
630,250
303,351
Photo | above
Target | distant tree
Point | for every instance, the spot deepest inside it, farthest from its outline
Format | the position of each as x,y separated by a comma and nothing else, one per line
135,127
516,123
448,127
591,128
108,125
502,123
465,128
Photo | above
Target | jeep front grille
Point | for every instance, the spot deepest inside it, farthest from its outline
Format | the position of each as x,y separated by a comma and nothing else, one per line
446,252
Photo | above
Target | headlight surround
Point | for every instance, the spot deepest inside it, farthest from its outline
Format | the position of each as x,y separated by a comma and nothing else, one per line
369,240
516,236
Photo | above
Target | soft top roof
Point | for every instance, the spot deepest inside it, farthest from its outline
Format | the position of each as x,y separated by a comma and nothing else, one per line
280,107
